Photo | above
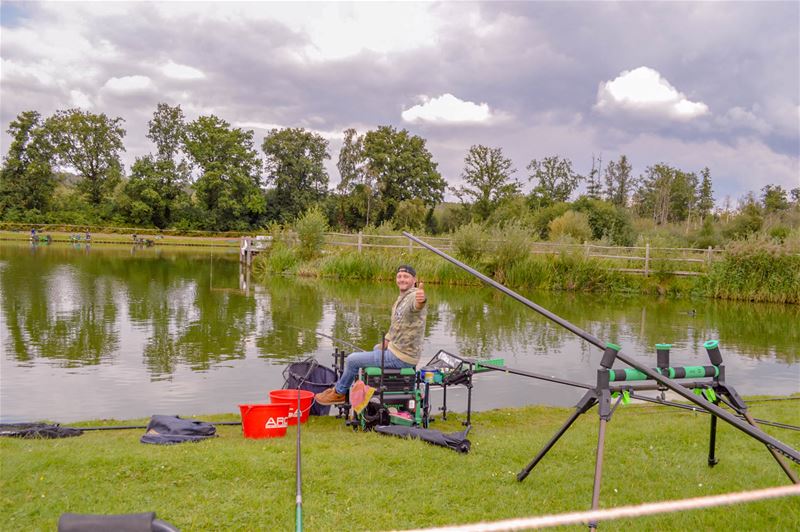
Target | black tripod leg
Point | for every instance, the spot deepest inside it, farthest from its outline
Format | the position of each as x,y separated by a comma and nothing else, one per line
605,416
712,441
586,402
598,470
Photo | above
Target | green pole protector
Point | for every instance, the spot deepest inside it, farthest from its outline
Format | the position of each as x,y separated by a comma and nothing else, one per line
711,344
615,347
663,346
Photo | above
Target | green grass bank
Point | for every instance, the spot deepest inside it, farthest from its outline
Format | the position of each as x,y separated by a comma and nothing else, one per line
360,481
749,273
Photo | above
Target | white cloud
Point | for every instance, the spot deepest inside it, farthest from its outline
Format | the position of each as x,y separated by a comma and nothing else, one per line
643,90
129,84
178,71
447,109
738,117
79,99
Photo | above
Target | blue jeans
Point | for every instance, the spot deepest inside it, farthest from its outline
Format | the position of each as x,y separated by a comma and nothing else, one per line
363,359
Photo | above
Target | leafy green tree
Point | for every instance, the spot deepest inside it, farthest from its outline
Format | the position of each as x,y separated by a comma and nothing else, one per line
747,221
607,221
157,184
295,167
229,185
91,144
410,214
619,182
26,179
403,169
705,201
488,175
356,179
795,193
774,198
555,179
593,185
667,194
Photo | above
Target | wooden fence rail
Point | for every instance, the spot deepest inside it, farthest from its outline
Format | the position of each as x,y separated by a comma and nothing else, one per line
644,260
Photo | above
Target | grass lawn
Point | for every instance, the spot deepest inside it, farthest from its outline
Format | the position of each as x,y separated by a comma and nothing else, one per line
359,481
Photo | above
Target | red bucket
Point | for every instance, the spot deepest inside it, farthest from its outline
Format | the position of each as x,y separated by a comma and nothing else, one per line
264,421
289,397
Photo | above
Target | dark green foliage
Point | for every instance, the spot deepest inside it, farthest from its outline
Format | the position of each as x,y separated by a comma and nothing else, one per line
228,188
295,168
488,175
26,179
555,180
667,194
619,182
543,217
91,144
607,221
774,198
707,236
403,169
747,222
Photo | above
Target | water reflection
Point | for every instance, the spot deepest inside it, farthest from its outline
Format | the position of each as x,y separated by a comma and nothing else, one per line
156,315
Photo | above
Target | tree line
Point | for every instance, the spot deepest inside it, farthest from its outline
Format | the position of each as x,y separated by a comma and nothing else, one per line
208,175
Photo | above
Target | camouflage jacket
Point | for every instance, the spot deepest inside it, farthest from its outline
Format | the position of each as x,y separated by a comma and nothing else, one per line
407,329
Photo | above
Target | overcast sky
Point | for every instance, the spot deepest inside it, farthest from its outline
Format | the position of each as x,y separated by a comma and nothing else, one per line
690,84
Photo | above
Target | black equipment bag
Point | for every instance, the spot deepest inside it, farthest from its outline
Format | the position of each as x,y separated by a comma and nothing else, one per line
38,430
166,430
144,522
311,376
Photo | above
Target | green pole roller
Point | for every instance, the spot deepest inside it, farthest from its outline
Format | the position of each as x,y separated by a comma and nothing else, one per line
682,372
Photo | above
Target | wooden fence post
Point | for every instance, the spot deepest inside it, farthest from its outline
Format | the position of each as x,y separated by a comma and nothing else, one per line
585,249
360,235
646,259
710,256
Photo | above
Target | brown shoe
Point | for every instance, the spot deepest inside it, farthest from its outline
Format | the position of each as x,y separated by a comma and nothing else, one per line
330,397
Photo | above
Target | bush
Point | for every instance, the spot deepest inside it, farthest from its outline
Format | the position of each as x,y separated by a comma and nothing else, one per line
511,244
470,242
543,217
756,269
571,224
311,229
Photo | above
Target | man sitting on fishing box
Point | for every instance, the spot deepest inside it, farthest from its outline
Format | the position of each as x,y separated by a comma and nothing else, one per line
402,346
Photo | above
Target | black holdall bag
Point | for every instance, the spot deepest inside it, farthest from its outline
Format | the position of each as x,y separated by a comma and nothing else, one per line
311,376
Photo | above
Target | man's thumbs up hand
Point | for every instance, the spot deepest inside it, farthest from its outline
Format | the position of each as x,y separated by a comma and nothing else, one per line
420,295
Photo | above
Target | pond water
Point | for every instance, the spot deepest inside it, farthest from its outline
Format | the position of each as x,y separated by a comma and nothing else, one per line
120,332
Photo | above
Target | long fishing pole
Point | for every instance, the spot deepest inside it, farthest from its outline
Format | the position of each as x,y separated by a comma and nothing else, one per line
694,409
130,427
748,429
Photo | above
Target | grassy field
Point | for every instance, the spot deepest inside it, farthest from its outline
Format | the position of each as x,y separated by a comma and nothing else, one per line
121,238
365,481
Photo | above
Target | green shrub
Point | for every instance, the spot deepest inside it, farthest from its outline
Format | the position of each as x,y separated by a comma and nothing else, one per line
511,245
571,224
470,242
756,270
311,229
